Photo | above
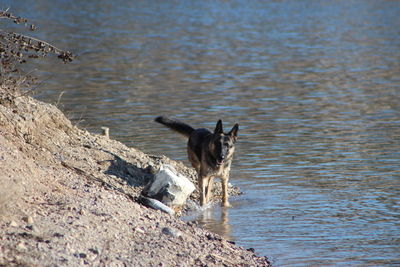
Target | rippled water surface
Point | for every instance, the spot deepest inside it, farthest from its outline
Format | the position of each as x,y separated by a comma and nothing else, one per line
315,86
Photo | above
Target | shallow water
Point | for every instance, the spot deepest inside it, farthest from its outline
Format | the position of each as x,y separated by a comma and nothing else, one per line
315,86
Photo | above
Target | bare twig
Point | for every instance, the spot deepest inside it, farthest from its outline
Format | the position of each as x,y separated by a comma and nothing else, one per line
16,49
59,98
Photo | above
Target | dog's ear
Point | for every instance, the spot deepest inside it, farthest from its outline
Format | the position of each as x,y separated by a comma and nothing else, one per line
234,132
218,128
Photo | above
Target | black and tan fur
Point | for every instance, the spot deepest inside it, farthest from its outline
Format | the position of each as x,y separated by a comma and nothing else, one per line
210,153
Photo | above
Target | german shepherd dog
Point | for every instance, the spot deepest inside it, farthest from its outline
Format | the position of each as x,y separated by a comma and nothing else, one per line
210,153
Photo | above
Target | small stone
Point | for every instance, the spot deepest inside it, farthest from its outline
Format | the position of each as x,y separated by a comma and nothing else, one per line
192,223
28,219
106,131
94,250
21,246
58,235
251,250
30,227
82,212
211,236
13,224
82,255
171,232
139,230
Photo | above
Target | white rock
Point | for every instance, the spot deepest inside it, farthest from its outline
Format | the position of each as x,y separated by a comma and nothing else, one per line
170,187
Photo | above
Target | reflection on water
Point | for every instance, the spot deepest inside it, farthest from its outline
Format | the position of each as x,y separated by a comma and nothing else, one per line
213,218
315,86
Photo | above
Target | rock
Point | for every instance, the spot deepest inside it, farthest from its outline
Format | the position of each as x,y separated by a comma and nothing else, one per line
94,251
80,255
192,223
251,250
58,235
28,219
31,227
139,230
106,131
21,246
171,232
13,224
169,187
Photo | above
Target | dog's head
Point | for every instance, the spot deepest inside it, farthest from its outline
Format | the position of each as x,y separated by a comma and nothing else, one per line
223,144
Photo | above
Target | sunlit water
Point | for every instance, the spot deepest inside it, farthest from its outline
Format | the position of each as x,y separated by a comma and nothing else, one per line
315,86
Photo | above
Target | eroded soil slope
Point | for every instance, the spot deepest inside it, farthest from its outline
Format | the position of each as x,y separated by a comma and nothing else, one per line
67,198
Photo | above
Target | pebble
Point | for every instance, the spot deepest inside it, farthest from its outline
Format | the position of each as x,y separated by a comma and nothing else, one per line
80,255
251,250
21,246
171,232
28,219
211,236
139,230
31,227
192,223
58,235
94,250
13,224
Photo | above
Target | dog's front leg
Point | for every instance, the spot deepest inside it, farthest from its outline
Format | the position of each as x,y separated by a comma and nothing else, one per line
224,182
210,182
202,187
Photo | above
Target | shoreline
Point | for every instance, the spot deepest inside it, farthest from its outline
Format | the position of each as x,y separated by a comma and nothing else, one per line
68,197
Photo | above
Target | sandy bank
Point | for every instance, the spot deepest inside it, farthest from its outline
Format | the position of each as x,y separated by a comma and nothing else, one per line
67,198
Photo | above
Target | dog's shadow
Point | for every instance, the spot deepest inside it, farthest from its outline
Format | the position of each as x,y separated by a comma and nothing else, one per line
133,175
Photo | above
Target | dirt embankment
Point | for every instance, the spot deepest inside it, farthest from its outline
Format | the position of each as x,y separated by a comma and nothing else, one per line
67,198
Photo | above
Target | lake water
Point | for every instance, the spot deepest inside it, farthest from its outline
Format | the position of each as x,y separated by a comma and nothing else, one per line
314,85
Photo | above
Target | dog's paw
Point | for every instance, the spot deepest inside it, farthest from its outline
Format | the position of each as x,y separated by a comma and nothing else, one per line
226,204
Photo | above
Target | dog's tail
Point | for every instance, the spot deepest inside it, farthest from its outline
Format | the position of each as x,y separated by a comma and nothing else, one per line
177,126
